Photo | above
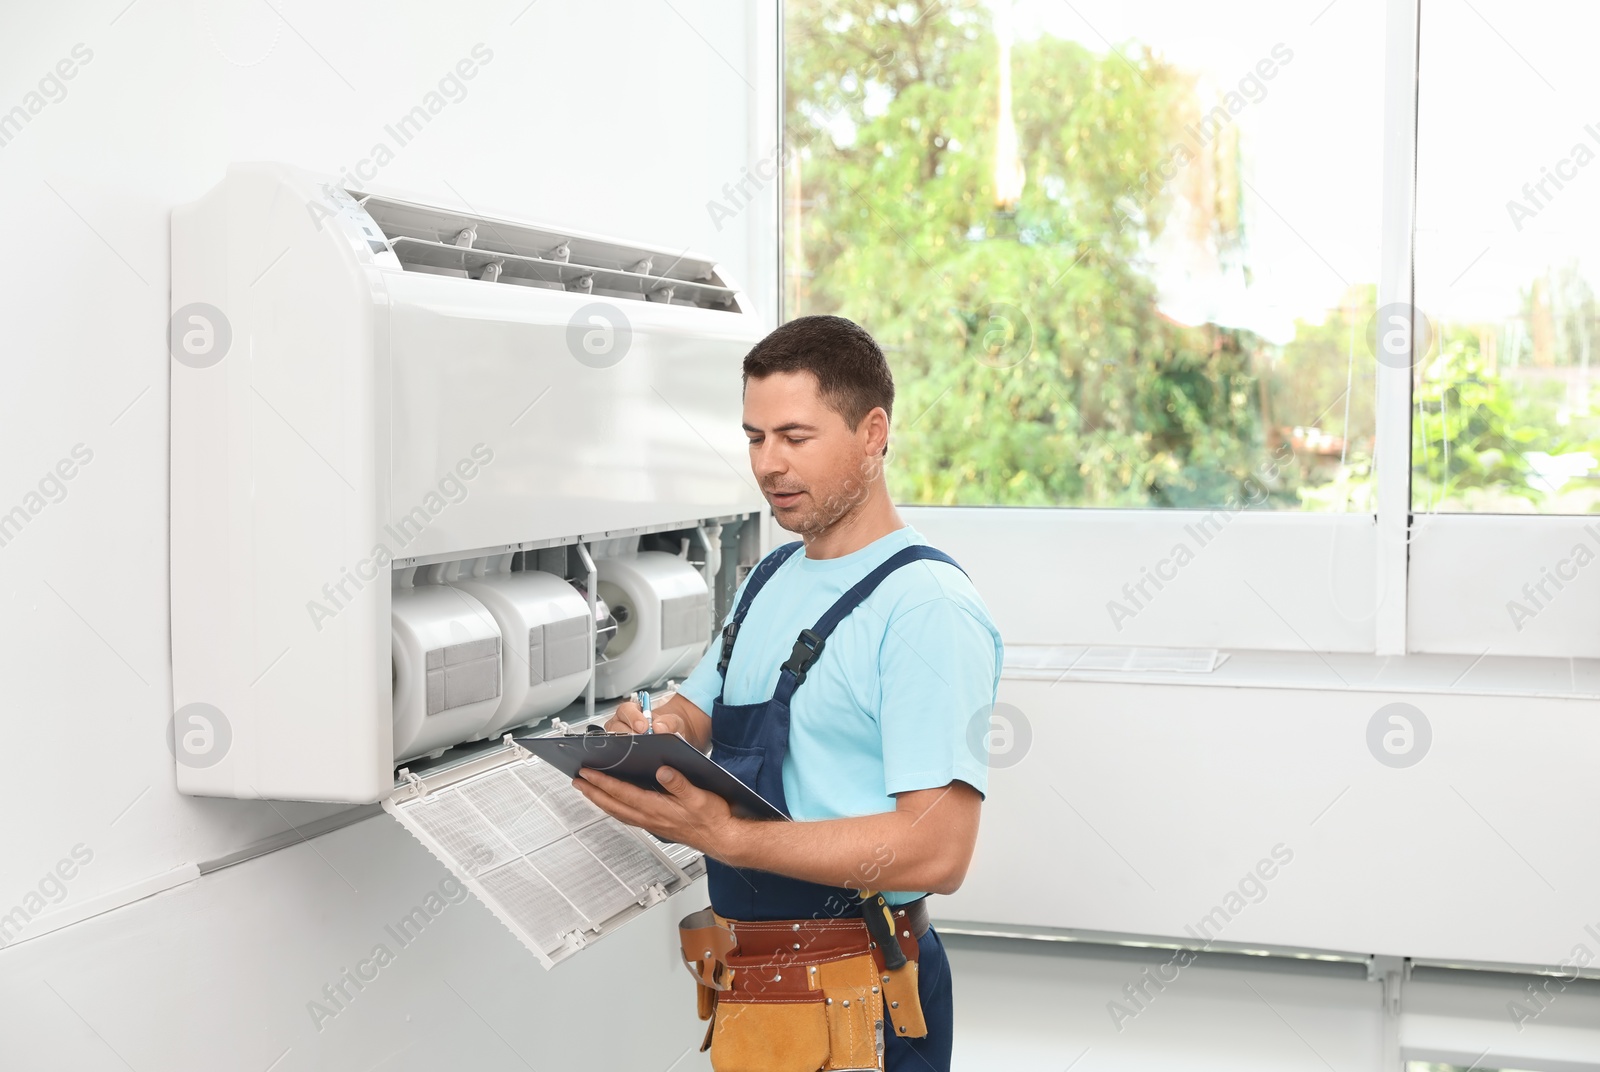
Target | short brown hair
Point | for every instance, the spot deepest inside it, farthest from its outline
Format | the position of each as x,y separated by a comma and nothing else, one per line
851,372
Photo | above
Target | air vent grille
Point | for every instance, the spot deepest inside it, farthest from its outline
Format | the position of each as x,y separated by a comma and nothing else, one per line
434,240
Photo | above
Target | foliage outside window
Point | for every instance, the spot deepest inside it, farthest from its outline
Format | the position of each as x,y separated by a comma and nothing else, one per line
1064,246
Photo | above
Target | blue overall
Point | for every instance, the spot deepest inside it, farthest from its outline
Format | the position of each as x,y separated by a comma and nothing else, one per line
751,740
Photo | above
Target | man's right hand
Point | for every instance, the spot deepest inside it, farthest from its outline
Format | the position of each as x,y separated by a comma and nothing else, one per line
672,715
629,718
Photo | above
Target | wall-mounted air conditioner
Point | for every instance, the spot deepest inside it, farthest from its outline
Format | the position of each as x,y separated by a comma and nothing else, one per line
435,475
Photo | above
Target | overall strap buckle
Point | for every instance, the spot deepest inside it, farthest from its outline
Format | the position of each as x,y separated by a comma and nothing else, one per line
729,633
759,576
806,650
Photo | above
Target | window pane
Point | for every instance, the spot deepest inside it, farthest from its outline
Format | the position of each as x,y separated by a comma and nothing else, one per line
1118,254
1508,205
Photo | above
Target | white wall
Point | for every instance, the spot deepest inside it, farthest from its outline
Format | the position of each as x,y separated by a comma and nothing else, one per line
622,118
1134,808
1138,809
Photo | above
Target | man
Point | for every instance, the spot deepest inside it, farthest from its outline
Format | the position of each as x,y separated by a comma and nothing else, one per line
871,729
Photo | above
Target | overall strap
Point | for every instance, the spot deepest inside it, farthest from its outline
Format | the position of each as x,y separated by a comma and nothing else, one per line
758,577
810,643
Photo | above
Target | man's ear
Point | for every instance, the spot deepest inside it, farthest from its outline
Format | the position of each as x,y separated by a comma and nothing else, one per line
877,429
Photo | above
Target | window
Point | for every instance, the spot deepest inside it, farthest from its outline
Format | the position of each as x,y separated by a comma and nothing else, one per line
1120,255
1508,203
1172,255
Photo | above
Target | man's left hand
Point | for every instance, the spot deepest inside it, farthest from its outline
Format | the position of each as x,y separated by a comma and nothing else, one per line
685,813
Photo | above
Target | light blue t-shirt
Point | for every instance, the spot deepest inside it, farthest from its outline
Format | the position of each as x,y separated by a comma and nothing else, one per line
900,697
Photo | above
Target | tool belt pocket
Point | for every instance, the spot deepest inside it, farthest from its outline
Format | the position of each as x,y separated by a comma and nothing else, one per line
831,1020
787,1035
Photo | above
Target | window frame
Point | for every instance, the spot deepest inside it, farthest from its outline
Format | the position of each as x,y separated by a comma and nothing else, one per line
1270,552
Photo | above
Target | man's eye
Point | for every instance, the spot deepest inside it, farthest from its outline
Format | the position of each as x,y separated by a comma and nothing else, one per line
797,439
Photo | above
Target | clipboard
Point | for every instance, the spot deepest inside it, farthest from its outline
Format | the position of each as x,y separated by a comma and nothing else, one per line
634,757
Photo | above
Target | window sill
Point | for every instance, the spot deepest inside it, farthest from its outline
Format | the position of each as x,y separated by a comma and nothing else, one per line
1464,675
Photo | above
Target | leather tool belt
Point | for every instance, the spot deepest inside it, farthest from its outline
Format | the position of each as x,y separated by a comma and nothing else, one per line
802,995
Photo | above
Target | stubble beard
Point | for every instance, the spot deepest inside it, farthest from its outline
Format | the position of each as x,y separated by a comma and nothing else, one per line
839,504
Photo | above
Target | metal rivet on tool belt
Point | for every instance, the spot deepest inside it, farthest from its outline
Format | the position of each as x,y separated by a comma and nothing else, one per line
827,1001
894,1004
874,990
847,1003
796,926
886,978
813,969
905,934
797,945
708,954
902,1029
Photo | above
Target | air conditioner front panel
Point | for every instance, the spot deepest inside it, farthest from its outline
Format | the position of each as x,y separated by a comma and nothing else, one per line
499,382
277,493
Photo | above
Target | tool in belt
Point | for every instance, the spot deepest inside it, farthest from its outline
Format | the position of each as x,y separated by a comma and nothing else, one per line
789,983
806,995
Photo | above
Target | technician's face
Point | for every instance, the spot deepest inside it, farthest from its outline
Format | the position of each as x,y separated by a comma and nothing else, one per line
812,468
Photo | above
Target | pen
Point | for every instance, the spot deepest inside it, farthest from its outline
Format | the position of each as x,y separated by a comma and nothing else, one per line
644,705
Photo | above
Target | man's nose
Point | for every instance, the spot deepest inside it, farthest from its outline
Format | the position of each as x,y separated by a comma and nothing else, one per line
765,460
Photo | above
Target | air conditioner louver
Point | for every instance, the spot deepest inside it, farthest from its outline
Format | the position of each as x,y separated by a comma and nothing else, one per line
429,239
